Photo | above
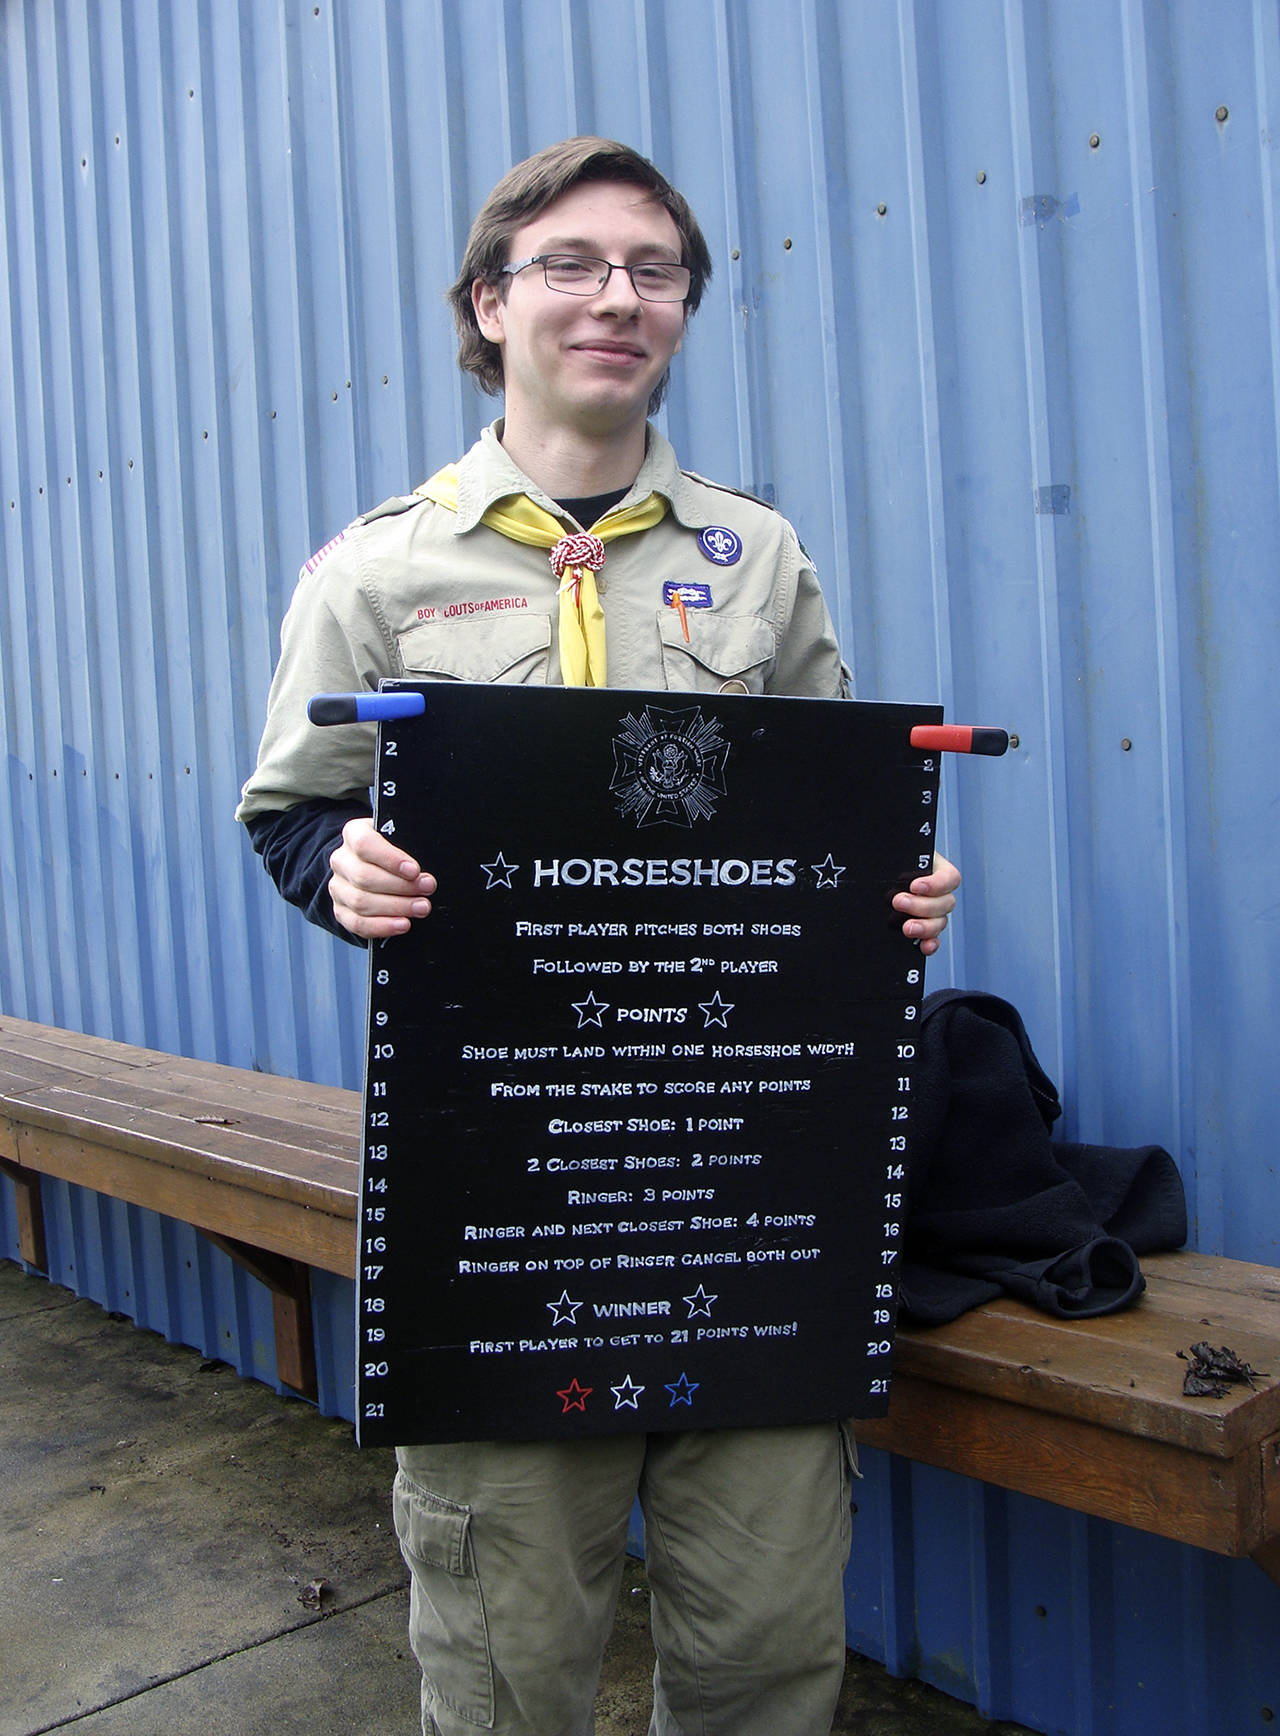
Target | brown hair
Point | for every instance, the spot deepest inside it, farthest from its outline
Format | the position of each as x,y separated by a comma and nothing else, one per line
528,189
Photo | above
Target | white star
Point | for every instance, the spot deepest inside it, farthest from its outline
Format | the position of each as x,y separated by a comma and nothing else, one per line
716,1010
500,872
700,1302
565,1313
627,1393
589,1011
827,872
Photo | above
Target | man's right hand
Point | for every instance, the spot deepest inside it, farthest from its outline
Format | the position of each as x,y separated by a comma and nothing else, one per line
377,890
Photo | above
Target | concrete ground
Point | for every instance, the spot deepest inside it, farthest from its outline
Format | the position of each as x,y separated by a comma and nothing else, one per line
185,1551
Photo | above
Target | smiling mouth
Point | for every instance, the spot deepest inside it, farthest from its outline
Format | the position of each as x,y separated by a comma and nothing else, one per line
614,352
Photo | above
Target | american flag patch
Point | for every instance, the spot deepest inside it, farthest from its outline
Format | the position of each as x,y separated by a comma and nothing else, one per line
311,565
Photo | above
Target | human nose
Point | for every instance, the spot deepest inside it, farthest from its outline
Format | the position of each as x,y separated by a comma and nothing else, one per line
617,293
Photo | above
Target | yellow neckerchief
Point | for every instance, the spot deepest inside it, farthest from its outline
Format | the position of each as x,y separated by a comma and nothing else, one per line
574,559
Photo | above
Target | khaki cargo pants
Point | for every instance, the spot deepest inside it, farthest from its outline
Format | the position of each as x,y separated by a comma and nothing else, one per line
516,1553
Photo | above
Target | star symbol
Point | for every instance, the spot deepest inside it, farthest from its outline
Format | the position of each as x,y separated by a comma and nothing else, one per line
827,872
589,1011
565,1312
700,1302
575,1397
682,1390
716,1010
627,1394
500,872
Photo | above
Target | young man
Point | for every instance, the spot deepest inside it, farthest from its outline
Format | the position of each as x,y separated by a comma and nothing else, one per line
580,274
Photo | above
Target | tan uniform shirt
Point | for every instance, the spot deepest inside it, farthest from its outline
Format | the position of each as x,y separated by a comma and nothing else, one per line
413,590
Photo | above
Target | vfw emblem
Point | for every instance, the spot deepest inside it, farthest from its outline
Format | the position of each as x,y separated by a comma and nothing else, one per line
668,766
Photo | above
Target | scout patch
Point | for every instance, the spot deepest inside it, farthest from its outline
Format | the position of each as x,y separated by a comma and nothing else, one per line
720,544
693,596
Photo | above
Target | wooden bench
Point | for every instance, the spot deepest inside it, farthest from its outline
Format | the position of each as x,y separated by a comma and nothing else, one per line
1087,1414
267,1168
1090,1414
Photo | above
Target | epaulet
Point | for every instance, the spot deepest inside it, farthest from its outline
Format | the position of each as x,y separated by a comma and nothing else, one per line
723,488
741,494
389,508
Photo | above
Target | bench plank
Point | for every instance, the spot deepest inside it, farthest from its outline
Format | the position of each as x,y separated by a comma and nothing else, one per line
314,1167
212,1197
1126,1376
1196,1498
26,1048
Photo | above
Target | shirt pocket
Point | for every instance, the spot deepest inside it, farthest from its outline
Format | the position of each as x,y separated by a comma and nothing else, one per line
723,653
515,651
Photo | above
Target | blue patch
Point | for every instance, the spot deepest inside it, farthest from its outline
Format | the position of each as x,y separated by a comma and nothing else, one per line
691,595
721,545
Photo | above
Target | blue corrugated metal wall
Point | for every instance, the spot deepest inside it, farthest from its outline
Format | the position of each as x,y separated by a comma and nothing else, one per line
996,319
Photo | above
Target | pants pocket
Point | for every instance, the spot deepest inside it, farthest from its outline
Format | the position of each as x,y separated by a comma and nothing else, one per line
447,1624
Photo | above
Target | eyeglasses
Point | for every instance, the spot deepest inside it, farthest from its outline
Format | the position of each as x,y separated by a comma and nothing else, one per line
652,280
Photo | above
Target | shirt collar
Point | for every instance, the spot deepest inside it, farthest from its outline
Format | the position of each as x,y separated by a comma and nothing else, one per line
486,474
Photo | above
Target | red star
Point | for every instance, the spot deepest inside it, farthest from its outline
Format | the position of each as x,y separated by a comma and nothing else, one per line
574,1396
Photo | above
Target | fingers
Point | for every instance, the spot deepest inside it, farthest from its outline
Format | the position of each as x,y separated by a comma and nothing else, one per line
377,889
943,878
927,904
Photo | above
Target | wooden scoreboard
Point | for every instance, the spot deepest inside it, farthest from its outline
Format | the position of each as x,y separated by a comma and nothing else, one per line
637,1109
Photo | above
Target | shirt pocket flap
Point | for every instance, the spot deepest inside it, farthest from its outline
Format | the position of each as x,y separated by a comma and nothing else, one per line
470,650
727,645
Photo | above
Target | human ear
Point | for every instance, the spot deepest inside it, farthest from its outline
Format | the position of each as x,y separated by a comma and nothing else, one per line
489,303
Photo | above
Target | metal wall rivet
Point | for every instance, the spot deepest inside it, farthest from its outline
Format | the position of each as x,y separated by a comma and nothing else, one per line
1126,744
881,210
1222,113
1094,141
982,177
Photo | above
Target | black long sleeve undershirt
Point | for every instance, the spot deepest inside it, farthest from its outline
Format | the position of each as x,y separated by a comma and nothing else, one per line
295,845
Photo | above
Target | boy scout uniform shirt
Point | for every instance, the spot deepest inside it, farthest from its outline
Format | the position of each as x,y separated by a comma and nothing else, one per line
415,591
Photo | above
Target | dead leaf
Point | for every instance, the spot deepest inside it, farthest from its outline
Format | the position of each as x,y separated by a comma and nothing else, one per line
1213,1370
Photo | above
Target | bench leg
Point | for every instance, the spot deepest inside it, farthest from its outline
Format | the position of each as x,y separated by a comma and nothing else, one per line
31,1243
289,1282
1268,1558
